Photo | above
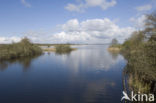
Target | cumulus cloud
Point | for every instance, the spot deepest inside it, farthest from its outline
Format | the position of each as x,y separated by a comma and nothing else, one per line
26,4
146,7
139,22
103,4
71,25
91,31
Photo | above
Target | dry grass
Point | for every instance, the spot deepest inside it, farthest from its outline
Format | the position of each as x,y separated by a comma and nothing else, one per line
137,84
49,49
114,49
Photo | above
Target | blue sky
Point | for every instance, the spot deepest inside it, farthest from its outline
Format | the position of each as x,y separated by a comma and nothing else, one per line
58,21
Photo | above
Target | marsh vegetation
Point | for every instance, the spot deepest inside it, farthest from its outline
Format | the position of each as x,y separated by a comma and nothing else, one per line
140,52
60,49
63,48
24,62
21,49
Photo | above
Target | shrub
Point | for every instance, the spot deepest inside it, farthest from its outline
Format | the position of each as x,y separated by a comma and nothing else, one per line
63,48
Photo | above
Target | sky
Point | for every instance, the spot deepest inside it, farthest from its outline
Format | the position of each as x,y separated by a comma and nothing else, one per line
72,21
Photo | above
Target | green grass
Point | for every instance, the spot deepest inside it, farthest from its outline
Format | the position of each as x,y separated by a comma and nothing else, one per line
20,49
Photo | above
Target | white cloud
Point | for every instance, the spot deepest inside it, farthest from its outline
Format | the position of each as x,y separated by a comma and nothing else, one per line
91,31
39,36
9,39
103,4
71,25
26,4
73,7
139,22
144,7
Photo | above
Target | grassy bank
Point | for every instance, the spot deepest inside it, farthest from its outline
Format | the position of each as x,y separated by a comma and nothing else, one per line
21,49
140,52
141,62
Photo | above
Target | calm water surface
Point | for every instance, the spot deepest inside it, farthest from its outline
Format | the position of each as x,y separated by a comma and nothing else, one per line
88,75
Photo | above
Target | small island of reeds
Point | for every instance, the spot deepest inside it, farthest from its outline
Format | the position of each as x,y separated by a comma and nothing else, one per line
60,49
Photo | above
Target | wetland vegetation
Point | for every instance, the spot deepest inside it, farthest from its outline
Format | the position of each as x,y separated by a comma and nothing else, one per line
140,53
21,49
60,49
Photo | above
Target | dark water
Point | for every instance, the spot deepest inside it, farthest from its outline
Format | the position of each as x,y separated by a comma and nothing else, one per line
87,75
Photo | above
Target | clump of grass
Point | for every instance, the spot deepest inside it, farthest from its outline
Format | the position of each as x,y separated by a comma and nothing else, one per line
63,48
20,49
114,49
49,49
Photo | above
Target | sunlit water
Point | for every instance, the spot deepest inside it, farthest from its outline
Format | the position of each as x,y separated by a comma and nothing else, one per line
88,75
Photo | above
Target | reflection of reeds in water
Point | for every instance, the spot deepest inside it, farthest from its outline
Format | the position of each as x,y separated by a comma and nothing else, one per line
25,62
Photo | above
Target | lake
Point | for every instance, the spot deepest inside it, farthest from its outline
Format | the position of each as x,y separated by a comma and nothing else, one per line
88,75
